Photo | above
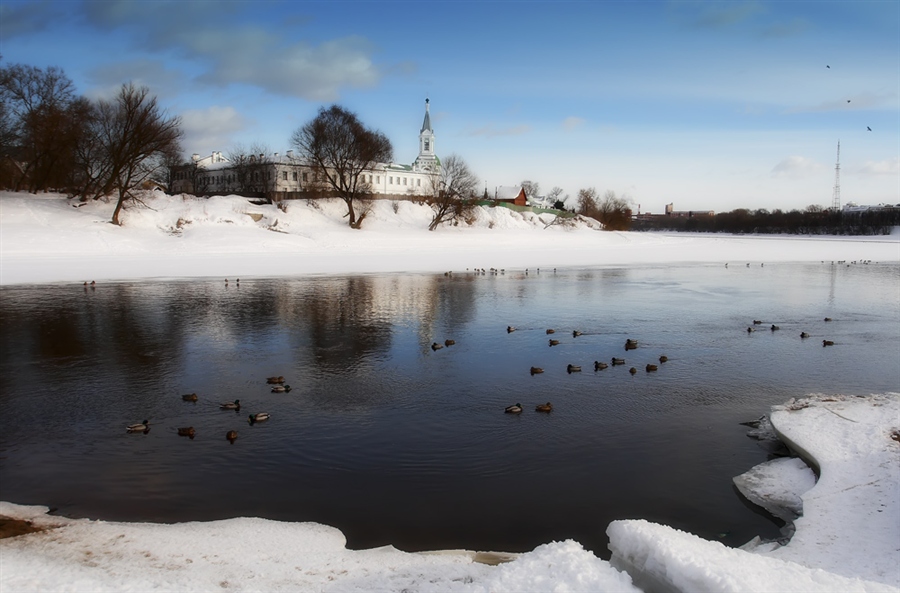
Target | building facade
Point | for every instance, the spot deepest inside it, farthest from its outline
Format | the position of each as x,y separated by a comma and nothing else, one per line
278,177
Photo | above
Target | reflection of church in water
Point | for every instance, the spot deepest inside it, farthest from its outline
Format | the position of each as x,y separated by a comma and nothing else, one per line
281,176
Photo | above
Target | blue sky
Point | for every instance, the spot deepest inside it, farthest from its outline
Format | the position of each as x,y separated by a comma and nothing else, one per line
707,105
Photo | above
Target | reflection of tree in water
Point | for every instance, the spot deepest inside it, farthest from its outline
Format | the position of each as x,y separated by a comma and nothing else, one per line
352,320
337,315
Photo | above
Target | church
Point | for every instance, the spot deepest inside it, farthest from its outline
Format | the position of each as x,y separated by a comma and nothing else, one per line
279,177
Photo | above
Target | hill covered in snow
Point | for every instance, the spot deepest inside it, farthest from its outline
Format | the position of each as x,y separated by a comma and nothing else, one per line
48,238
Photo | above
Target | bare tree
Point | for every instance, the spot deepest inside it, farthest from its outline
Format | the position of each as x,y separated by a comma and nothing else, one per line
532,188
340,148
614,212
135,138
588,202
556,201
42,120
453,187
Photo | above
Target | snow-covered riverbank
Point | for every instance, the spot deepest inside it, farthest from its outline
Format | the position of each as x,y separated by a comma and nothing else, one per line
848,538
44,238
846,541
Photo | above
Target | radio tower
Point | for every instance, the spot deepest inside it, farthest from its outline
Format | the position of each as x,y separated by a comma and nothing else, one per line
836,198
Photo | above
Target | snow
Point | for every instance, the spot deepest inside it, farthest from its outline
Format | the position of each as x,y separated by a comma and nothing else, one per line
777,486
43,238
847,539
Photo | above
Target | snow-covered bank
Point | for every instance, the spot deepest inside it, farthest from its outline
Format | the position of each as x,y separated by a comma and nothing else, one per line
848,539
44,238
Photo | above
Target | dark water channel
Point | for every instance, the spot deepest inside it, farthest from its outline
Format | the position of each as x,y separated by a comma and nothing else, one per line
393,442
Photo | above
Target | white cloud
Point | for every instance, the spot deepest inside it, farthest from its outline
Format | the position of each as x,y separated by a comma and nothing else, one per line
206,130
108,79
573,123
885,167
274,60
797,167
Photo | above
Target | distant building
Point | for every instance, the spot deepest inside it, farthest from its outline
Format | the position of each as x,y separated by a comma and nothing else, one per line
671,212
288,176
853,208
511,194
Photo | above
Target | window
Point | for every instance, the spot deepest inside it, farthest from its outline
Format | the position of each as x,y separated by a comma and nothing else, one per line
378,179
427,144
404,181
390,180
284,175
305,177
295,176
418,183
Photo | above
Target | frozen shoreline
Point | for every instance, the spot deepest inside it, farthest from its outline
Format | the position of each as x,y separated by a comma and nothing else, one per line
846,540
43,239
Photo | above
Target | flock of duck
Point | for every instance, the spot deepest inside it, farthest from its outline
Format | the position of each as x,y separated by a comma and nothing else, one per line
803,335
630,344
278,386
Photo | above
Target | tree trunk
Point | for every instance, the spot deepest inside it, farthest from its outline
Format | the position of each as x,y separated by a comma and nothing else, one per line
351,213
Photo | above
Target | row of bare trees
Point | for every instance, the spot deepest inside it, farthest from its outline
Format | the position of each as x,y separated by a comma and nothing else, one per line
613,212
53,139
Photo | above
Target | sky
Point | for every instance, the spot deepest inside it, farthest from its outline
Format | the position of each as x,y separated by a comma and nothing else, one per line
704,105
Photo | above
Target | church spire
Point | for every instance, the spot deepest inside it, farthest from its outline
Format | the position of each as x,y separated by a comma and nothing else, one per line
427,160
426,125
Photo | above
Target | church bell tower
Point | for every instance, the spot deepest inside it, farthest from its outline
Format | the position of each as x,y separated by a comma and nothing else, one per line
426,161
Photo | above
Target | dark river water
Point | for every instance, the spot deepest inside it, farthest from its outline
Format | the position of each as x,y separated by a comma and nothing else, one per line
393,442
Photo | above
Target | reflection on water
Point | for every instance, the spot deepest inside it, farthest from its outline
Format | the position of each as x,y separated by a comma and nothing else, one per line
393,442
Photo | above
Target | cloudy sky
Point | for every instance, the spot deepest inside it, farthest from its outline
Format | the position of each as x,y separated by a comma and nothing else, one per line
707,105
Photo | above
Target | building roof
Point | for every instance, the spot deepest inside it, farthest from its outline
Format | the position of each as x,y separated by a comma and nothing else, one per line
426,125
508,192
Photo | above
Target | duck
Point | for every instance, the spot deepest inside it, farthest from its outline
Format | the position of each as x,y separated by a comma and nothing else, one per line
750,330
632,370
231,435
189,397
536,370
572,368
449,342
141,427
548,407
551,331
804,335
631,344
576,333
281,388
827,343
828,319
774,327
616,361
187,432
757,322
599,366
259,417
663,358
235,405
436,346
554,342
651,368
510,329
514,409
275,380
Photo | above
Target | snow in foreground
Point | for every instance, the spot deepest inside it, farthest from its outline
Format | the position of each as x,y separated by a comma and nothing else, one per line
45,238
848,539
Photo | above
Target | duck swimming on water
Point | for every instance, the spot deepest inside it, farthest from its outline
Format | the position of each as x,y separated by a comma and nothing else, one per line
141,427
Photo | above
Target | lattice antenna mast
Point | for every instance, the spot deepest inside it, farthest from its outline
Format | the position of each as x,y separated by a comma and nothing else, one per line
836,198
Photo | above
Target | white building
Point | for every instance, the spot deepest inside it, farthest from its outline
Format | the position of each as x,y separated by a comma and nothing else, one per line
287,176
